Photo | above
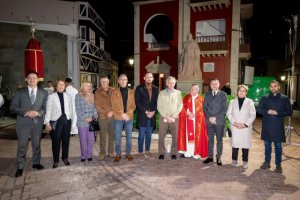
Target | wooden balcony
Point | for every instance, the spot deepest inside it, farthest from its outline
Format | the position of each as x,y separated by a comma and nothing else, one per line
212,45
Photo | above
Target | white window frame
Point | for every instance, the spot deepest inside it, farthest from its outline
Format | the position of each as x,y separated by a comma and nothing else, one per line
82,32
92,38
101,43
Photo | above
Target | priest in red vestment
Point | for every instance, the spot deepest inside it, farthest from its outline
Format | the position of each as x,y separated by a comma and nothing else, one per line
192,132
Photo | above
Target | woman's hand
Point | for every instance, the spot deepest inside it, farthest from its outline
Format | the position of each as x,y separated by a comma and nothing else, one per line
48,127
88,120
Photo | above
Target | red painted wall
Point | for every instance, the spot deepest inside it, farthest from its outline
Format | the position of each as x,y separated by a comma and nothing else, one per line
222,63
170,56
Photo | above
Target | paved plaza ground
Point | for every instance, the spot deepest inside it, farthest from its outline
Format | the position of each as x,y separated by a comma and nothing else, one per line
149,178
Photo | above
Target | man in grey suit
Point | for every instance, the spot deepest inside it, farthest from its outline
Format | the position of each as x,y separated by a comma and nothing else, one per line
30,104
215,107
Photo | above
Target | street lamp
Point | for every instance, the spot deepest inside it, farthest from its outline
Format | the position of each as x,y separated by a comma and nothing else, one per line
131,61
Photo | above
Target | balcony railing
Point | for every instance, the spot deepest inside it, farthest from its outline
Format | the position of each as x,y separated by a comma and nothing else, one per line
244,45
93,56
212,38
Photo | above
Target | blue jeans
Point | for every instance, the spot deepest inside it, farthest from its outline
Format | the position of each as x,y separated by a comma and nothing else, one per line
145,131
268,152
118,124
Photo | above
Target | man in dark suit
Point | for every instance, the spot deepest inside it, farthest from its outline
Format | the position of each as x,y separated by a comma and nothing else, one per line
29,103
146,103
215,107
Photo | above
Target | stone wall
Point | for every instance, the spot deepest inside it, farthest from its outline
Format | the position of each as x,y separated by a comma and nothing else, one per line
13,40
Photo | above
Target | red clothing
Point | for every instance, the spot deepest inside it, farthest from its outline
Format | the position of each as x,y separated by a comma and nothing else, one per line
201,138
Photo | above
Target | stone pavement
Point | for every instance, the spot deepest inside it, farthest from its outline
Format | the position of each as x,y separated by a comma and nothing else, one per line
149,178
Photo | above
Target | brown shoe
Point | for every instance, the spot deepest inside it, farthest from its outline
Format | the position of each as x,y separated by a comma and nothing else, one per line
101,157
117,158
129,157
111,155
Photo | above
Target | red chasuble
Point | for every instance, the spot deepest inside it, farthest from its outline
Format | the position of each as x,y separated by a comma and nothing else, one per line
184,124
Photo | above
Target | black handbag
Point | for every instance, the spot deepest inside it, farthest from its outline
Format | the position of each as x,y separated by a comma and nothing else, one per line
94,126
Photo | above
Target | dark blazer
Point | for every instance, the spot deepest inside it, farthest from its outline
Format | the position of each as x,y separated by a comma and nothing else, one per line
21,104
273,125
143,103
215,107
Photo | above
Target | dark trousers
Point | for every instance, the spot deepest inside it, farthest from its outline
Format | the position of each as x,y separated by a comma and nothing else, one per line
235,152
61,135
217,130
24,131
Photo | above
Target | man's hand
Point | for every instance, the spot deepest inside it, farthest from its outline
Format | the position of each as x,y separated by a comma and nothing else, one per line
212,120
32,114
150,114
110,114
125,117
170,120
272,112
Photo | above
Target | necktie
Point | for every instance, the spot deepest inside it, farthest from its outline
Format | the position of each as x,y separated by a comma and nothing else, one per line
32,97
214,94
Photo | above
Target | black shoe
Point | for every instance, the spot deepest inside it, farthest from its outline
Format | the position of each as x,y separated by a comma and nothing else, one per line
174,157
219,162
66,162
55,164
278,169
82,160
19,173
90,159
208,160
161,157
182,156
265,165
38,166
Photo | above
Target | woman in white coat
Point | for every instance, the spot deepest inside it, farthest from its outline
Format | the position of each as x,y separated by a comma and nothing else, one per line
241,114
58,121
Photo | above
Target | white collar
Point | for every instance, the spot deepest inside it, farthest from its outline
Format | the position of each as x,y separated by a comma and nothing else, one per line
34,89
194,97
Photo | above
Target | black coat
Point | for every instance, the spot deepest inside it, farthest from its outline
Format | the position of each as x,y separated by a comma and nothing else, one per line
143,104
273,125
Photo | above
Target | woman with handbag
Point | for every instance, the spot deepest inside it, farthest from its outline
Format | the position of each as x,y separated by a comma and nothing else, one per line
86,113
58,122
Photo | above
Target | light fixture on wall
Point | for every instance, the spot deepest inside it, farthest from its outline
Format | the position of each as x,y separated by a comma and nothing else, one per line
282,78
131,61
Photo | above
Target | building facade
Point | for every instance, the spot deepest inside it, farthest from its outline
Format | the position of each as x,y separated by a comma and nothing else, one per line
72,37
162,26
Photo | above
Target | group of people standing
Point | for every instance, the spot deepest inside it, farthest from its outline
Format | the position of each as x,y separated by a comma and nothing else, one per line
193,121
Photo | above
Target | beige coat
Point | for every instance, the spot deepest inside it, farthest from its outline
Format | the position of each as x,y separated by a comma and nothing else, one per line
117,104
241,138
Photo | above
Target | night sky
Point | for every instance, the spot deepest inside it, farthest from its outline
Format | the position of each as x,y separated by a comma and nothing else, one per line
268,28
118,17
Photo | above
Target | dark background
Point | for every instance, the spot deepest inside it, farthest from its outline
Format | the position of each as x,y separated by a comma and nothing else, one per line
268,28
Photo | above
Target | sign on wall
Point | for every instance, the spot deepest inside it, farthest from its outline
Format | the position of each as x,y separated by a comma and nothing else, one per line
249,74
208,67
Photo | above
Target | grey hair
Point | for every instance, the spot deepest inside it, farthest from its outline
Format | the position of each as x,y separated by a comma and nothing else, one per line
122,75
195,85
170,78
